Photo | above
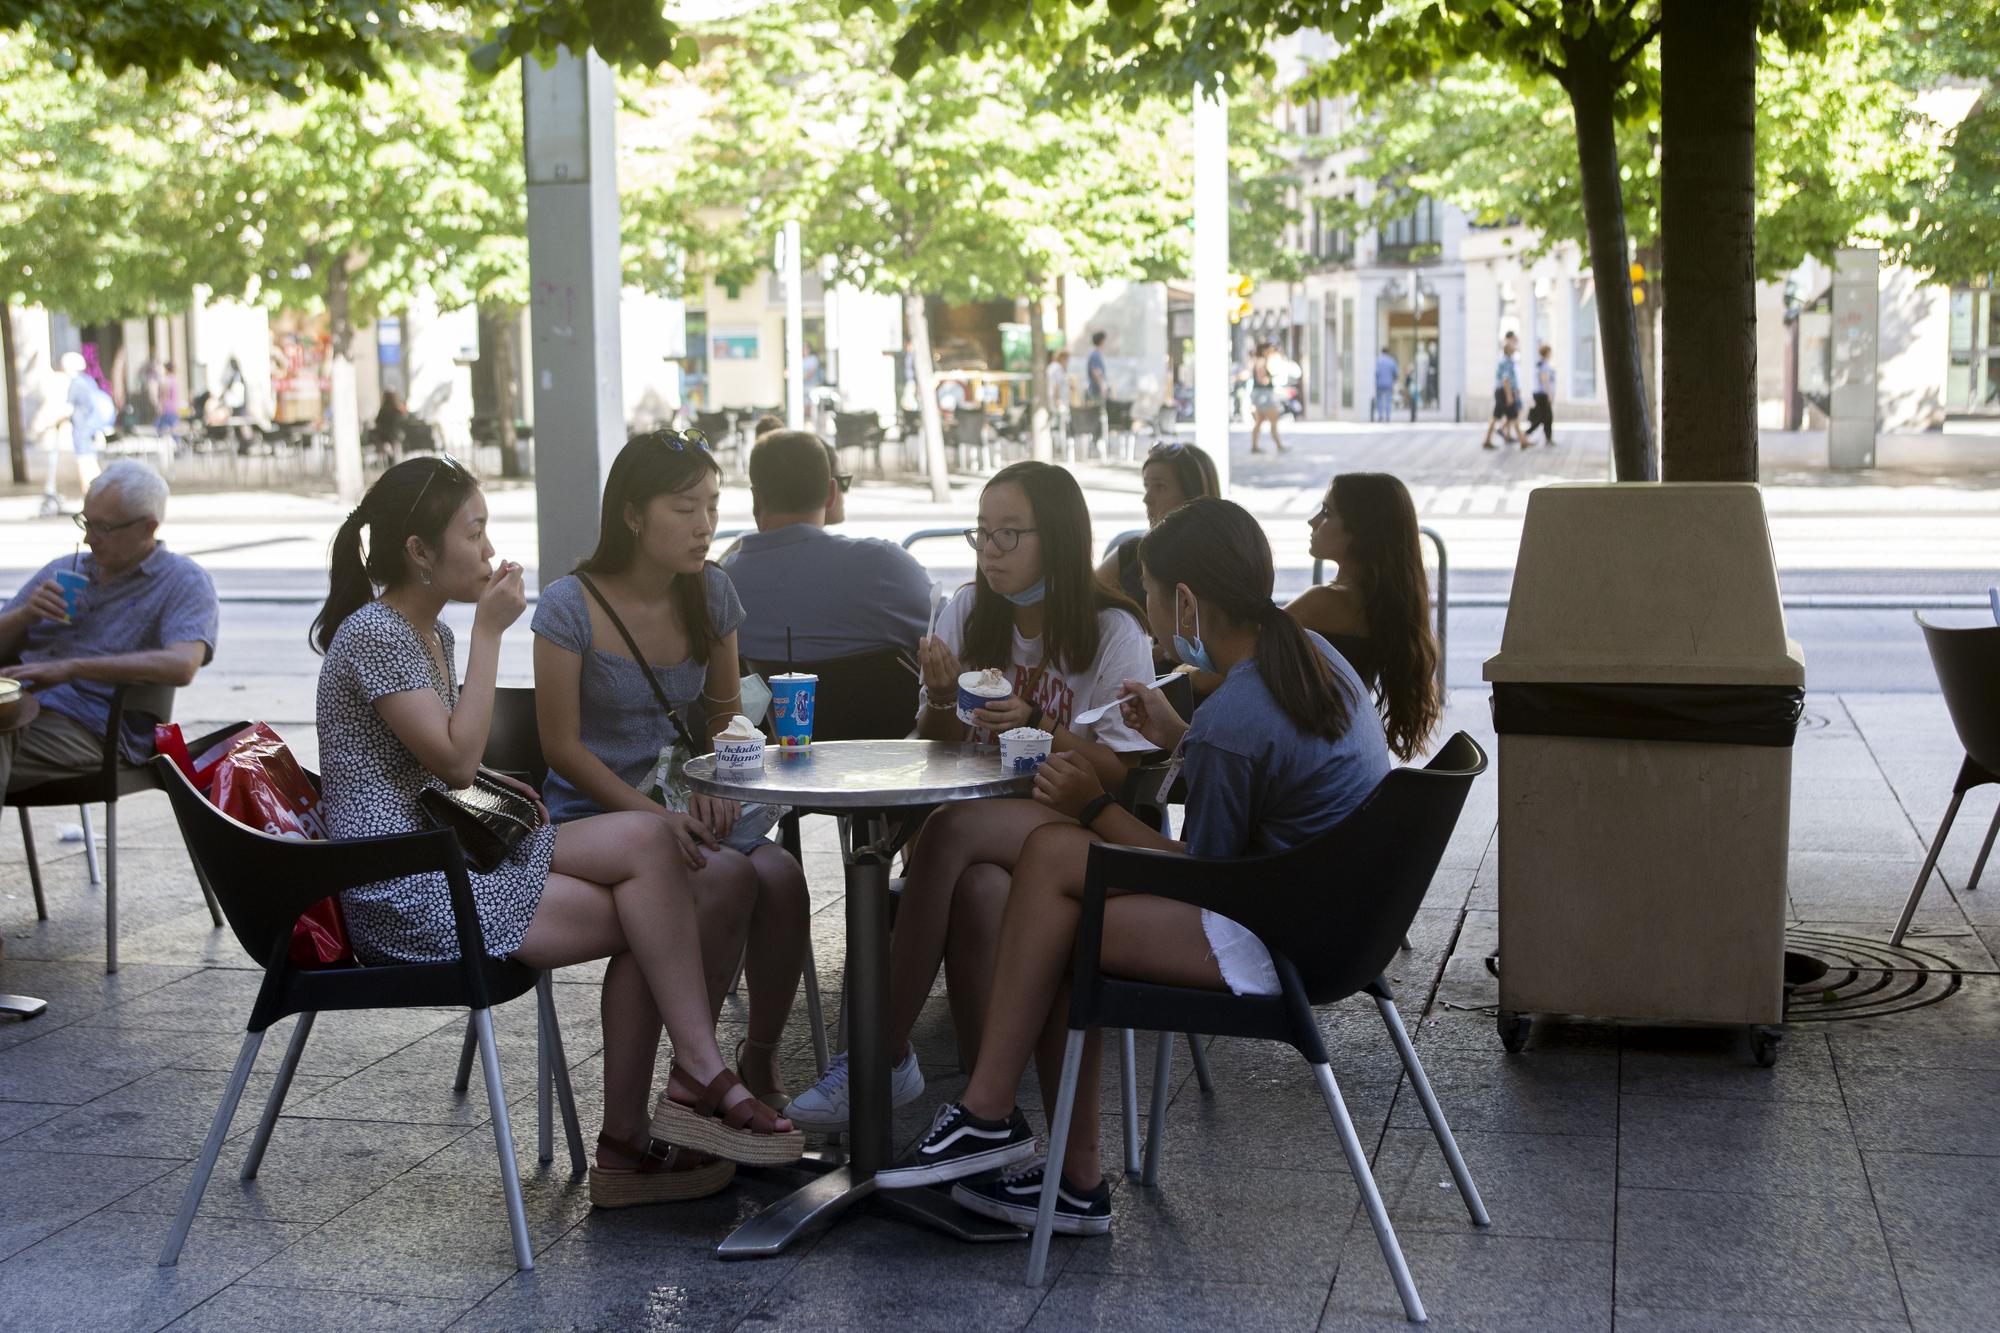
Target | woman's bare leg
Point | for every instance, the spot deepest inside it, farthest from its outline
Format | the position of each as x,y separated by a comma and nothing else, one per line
775,960
955,838
977,906
1276,443
725,895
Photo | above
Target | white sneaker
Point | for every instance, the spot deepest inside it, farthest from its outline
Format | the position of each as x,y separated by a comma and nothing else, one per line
824,1106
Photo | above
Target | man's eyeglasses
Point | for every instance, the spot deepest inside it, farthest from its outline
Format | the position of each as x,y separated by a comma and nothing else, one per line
445,463
846,479
1003,539
93,528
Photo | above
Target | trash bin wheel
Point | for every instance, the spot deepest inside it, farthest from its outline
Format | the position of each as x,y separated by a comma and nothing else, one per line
1764,1043
1514,1030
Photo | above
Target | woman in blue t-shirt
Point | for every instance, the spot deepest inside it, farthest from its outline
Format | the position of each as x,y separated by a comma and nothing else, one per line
1285,748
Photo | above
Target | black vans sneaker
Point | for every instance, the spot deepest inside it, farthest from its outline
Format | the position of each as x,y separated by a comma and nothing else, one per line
1015,1195
960,1144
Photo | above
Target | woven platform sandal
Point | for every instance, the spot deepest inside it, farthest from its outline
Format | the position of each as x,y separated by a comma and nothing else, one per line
665,1174
746,1132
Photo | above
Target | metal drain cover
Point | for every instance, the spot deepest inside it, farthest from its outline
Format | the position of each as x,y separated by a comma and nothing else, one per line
1864,978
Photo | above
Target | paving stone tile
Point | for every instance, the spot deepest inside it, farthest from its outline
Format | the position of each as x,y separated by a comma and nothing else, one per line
1925,1110
1942,1214
41,1193
1141,1304
164,1114
215,999
1536,1092
17,1117
1282,1125
1552,1186
103,1272
74,990
1961,1031
580,1288
1230,1225
1732,1145
243,1308
1849,886
1713,1062
1476,1282
81,1062
1754,1254
424,1096
1634,1319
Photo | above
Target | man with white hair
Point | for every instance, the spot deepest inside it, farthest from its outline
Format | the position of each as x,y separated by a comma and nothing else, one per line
137,615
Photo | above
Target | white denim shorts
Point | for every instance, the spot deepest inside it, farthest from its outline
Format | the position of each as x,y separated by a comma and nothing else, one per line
1241,957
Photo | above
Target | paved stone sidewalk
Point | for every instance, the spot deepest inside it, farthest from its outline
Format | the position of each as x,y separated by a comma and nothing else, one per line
1637,1179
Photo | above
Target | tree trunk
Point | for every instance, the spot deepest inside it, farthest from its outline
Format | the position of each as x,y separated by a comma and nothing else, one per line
1708,182
499,326
1590,89
348,477
917,322
1041,446
17,427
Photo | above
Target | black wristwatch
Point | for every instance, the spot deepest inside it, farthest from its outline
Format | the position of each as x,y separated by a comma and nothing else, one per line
1096,807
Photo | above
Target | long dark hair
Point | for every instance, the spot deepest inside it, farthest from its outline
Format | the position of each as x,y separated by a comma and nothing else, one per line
1070,636
656,463
1220,552
1193,469
416,498
1388,573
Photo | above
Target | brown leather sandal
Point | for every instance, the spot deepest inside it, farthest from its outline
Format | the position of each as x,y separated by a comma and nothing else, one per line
746,1132
665,1174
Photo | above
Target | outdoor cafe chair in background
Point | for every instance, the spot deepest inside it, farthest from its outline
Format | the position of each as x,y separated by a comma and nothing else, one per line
112,780
1332,911
1967,662
861,431
264,883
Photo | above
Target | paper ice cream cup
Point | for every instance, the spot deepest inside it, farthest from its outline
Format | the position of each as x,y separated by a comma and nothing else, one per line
975,691
738,756
1023,750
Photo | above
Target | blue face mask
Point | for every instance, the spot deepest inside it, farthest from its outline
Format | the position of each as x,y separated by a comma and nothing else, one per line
1031,596
1194,654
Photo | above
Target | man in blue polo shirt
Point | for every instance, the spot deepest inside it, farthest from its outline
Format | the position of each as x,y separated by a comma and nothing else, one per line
838,596
145,616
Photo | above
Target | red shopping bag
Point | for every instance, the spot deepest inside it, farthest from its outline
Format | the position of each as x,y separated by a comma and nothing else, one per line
200,769
259,783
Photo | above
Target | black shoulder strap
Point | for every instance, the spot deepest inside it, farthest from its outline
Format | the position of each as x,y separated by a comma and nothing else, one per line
645,667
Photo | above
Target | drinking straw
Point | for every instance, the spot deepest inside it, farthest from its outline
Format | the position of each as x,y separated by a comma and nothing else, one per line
76,557
788,651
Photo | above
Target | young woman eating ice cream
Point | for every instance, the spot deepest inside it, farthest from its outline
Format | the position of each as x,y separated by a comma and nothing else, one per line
1042,641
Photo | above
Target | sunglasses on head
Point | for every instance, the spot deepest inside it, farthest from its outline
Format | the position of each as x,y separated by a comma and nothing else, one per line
445,463
680,440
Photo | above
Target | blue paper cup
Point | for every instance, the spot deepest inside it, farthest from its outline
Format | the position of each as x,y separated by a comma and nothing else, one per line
72,585
793,695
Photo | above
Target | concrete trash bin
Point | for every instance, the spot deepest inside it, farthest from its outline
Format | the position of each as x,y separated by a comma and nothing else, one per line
1646,699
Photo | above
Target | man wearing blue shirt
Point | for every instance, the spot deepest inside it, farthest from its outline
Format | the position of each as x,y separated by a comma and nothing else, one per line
1385,386
837,596
145,616
1506,398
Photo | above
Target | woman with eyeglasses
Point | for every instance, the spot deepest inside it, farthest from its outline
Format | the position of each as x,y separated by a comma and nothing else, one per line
394,719
1377,610
1064,643
602,726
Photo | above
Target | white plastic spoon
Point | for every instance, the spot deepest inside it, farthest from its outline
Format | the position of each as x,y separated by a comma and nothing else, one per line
1091,715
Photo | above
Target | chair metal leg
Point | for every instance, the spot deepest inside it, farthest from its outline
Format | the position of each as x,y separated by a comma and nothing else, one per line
1467,1191
1163,1073
736,982
1985,850
545,1079
1199,1055
34,866
110,884
503,1138
275,1103
1930,863
211,1148
90,842
551,1033
1045,1212
1364,1180
1128,1098
464,1079
815,1014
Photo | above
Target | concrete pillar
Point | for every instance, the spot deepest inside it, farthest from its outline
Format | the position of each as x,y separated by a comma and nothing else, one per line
1211,272
573,270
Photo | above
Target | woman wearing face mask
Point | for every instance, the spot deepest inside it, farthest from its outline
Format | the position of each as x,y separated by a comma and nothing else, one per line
602,727
1283,751
1377,610
394,719
1065,642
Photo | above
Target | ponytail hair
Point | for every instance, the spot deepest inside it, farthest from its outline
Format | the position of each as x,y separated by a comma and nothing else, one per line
1387,564
1220,552
416,498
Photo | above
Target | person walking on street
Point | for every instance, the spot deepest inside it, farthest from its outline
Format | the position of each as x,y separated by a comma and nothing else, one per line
1385,386
1506,398
1543,413
1264,397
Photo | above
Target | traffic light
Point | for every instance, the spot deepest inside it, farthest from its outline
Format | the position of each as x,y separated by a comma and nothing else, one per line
1638,284
1240,288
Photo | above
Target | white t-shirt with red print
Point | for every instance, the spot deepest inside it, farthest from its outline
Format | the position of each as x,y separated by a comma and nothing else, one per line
1123,653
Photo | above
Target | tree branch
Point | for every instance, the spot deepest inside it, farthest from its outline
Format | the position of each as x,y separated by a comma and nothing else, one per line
1644,40
1534,58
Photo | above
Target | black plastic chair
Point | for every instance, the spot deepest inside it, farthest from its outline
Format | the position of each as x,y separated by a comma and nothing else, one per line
514,742
1332,912
859,430
265,883
113,779
1967,662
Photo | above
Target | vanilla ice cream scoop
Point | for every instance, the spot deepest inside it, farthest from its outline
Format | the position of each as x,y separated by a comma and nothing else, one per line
740,728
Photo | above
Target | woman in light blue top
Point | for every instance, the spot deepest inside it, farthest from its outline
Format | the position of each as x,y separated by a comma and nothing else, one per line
602,727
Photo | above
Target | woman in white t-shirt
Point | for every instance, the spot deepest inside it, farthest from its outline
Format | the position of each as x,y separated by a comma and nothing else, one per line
1066,643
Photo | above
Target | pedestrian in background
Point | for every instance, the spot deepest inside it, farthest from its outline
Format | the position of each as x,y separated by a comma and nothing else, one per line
1386,371
1543,413
1506,398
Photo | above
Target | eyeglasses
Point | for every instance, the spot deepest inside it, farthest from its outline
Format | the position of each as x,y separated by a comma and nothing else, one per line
680,440
846,479
1003,539
445,463
1170,449
92,528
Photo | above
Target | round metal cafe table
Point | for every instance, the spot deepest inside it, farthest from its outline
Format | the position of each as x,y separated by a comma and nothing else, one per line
17,719
881,790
